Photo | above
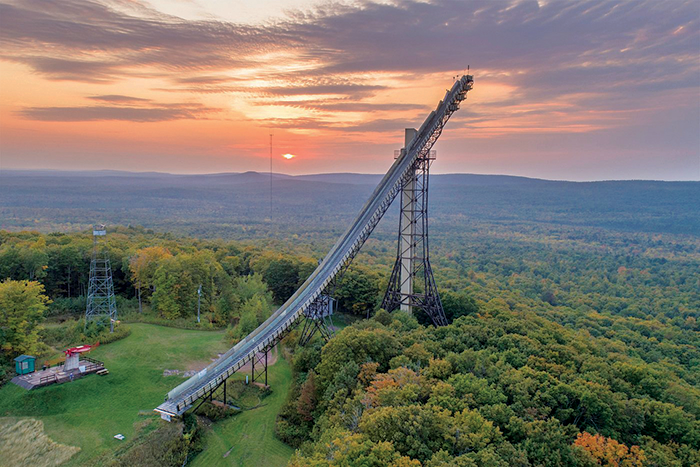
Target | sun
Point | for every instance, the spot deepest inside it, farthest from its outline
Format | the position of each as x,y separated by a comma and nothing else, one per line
288,156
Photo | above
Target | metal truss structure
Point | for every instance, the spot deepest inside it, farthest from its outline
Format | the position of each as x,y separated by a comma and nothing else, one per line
312,301
258,372
100,299
412,257
317,317
261,360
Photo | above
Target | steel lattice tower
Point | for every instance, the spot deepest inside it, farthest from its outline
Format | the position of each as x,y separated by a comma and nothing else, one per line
100,300
412,284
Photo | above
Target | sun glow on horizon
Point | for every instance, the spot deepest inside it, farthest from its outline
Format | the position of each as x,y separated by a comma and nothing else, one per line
288,156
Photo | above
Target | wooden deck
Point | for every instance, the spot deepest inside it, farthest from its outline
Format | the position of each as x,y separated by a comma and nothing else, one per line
57,374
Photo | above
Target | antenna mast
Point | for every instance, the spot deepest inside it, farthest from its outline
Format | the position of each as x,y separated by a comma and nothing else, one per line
270,177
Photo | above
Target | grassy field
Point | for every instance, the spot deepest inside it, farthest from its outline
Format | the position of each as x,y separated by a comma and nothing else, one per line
89,412
250,435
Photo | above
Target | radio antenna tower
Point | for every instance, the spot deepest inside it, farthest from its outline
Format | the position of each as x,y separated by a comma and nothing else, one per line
100,300
270,177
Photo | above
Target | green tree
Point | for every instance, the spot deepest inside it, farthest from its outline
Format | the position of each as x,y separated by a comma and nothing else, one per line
143,266
248,286
358,346
35,259
282,277
345,449
416,431
358,292
177,280
457,304
67,269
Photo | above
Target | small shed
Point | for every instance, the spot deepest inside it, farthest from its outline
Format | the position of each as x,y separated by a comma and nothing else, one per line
24,364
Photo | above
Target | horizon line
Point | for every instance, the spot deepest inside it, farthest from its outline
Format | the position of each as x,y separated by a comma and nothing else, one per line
204,174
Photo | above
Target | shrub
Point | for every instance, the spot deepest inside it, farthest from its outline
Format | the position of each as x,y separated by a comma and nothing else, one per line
215,412
72,333
67,306
120,332
179,323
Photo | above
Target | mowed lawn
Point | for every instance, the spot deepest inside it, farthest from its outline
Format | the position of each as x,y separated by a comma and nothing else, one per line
250,435
88,412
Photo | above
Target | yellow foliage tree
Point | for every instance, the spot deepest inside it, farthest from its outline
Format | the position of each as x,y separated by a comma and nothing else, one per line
22,307
143,266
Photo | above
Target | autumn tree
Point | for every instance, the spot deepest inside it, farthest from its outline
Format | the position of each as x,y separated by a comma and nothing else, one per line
306,403
400,386
609,452
22,307
143,266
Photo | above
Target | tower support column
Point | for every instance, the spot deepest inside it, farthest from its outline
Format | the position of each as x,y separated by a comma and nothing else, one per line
318,318
407,231
412,285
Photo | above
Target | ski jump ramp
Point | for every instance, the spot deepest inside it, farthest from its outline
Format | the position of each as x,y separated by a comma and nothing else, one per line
180,399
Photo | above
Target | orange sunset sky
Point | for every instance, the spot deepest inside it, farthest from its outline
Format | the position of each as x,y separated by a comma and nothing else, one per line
564,90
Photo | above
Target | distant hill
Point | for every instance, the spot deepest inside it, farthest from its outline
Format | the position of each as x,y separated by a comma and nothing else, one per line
227,204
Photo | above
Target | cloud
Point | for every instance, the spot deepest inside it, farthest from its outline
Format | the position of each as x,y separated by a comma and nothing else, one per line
553,57
378,125
205,79
103,112
355,90
102,42
116,98
342,105
61,69
404,37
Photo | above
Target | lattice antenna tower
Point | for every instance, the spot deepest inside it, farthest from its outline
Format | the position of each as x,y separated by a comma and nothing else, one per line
271,177
100,300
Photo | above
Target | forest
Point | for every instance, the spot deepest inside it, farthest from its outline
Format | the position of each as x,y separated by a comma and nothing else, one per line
573,339
556,354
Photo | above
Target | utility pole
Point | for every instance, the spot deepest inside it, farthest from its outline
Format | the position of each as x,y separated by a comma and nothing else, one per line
199,300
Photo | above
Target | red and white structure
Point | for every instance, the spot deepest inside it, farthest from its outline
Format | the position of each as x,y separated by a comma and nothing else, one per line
73,356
